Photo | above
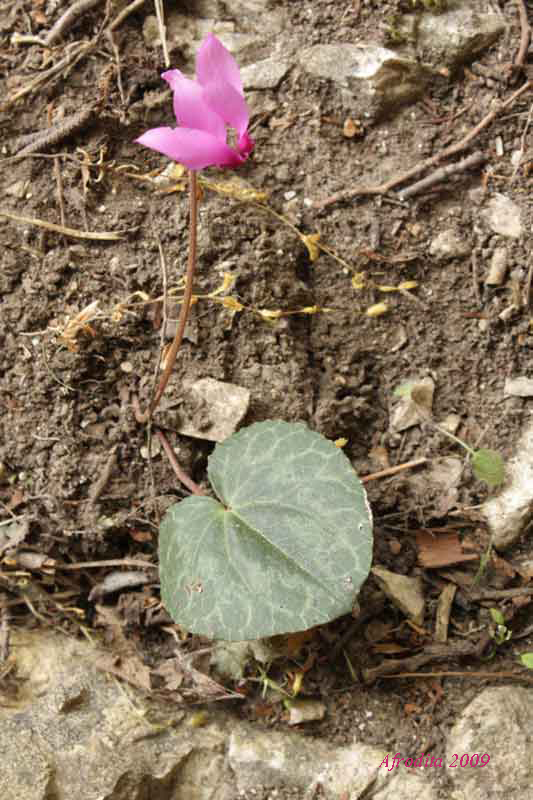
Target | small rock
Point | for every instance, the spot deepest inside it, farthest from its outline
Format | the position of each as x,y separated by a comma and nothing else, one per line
230,659
451,423
414,407
498,723
227,404
498,267
378,80
406,593
17,189
510,512
155,449
503,216
448,244
306,711
457,34
518,387
265,74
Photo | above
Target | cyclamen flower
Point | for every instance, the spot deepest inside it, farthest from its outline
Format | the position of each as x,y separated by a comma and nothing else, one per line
203,108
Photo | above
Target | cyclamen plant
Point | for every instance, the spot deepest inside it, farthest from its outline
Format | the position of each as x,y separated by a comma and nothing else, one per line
288,541
203,108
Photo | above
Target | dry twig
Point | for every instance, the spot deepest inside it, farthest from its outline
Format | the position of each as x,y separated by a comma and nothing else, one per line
160,13
68,19
75,54
42,140
453,149
98,236
442,173
124,14
386,473
525,37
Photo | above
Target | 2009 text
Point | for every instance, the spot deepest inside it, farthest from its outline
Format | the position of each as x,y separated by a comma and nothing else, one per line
466,760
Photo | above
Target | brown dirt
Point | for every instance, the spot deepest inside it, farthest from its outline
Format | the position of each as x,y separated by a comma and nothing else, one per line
64,411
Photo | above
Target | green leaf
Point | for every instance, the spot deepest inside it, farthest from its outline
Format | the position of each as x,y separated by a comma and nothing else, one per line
526,659
488,466
286,548
497,616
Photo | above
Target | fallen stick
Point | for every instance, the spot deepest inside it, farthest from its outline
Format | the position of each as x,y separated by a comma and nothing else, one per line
102,236
442,173
453,149
385,473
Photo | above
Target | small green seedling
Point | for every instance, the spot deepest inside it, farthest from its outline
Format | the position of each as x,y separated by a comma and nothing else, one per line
526,659
500,633
285,546
487,465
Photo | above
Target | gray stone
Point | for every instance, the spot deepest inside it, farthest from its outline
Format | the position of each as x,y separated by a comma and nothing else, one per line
449,244
499,722
458,35
72,732
224,406
518,387
509,513
503,216
498,267
406,593
264,74
414,407
376,79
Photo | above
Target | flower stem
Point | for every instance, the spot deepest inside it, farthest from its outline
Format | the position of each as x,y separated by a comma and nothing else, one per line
458,441
185,304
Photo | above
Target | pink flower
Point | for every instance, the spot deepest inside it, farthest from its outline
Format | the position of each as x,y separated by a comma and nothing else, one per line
203,108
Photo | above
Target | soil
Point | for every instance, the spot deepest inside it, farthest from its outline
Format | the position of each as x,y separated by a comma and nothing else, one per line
67,401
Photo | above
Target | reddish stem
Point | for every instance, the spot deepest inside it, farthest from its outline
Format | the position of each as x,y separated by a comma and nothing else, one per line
185,305
180,474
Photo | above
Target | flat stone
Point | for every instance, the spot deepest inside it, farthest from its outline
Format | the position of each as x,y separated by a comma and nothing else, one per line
376,79
74,733
499,723
503,216
264,74
457,35
414,408
225,407
406,593
509,513
449,244
518,387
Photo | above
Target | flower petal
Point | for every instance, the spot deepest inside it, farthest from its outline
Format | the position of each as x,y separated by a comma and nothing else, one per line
245,145
194,149
190,107
226,101
215,62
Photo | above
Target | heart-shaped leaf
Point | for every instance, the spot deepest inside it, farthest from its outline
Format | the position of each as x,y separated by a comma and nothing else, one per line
286,548
488,466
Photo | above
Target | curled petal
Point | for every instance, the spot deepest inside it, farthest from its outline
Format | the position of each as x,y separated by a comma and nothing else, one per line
190,107
226,101
245,145
215,62
195,149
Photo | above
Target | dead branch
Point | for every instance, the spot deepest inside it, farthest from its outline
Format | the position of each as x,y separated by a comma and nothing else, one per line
442,173
525,37
453,149
97,236
68,61
68,19
124,14
42,140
